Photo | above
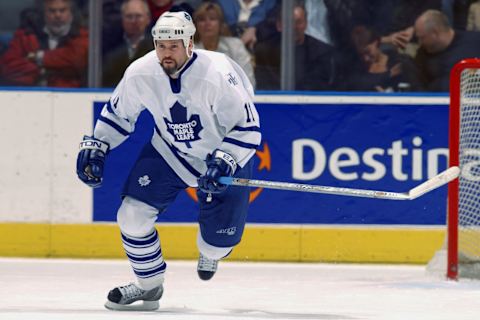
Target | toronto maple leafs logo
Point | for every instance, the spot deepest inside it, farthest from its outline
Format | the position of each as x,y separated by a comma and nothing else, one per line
181,128
144,181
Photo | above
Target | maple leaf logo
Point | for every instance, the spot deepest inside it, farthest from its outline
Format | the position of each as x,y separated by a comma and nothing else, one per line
183,129
144,181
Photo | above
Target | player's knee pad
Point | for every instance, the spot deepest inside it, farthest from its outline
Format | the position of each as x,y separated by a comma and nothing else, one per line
136,218
210,251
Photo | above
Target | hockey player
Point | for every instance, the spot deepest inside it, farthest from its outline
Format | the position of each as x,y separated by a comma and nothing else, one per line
206,126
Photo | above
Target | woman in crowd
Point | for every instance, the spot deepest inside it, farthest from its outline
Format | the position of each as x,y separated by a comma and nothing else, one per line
213,34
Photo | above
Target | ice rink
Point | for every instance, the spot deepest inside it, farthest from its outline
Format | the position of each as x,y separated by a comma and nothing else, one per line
39,289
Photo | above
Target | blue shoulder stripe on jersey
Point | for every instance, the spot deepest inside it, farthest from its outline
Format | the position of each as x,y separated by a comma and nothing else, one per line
241,143
176,84
114,125
179,157
238,128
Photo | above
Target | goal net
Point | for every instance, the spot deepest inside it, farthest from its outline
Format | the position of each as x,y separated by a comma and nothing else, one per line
461,257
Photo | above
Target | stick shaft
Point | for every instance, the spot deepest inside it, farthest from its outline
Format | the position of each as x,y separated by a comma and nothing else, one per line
427,186
314,188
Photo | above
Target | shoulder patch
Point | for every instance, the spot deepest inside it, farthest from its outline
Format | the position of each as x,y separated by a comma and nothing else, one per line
230,77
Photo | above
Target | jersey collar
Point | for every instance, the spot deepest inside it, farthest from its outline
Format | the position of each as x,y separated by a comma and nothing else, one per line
176,84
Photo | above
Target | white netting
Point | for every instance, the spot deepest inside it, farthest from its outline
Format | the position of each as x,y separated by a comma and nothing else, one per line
469,181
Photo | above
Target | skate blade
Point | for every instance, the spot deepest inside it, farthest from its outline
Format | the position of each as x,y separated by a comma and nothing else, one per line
143,306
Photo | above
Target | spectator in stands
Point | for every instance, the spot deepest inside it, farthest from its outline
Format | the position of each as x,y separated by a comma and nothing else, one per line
243,16
213,34
158,7
473,19
48,51
317,20
381,71
441,47
394,19
112,30
457,12
137,41
314,60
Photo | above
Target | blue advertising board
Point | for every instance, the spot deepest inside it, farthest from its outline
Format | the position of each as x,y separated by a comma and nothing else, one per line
390,147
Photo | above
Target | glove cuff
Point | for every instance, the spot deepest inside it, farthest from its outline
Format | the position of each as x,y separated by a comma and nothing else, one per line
94,144
228,159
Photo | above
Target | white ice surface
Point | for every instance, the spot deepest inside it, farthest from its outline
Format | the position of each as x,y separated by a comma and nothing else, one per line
41,289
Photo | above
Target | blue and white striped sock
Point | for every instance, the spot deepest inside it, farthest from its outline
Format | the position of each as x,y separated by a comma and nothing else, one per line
146,259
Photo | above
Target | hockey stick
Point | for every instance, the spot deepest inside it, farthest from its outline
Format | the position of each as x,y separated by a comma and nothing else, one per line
427,186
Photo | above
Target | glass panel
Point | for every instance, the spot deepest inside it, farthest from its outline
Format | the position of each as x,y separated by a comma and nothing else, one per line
340,45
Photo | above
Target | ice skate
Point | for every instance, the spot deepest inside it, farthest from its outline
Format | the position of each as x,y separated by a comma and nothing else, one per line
206,267
122,298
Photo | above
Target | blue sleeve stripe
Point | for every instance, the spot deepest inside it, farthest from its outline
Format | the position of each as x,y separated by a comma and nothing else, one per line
109,107
114,126
237,128
179,157
240,143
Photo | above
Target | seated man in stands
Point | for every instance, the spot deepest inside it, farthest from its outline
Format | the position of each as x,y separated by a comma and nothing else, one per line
314,60
48,51
379,70
136,41
441,47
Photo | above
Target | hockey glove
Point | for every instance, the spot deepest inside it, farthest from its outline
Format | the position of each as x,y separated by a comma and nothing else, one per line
219,164
90,161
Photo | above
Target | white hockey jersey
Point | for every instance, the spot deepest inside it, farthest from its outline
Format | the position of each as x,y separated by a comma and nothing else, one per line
210,106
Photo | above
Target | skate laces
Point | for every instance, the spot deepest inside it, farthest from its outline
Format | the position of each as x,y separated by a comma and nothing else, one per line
131,291
206,264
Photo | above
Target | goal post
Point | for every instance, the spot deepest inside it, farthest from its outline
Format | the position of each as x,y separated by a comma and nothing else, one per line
463,219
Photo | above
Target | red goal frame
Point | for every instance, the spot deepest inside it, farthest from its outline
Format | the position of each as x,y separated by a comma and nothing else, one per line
454,159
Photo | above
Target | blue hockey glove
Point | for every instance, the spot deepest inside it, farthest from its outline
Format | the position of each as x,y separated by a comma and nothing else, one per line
90,161
218,164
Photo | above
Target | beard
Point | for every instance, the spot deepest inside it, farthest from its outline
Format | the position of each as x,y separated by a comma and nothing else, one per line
171,68
59,30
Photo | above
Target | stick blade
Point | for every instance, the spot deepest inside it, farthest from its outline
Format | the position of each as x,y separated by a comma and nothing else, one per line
435,182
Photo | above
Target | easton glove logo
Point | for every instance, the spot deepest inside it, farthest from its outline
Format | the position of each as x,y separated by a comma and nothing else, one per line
181,128
264,163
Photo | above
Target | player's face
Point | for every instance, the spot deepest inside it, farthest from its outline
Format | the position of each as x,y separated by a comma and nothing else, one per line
171,54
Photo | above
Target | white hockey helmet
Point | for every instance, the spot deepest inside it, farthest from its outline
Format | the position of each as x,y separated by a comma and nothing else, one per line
174,26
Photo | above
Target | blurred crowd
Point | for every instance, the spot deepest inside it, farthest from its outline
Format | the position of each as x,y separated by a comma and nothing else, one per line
340,45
